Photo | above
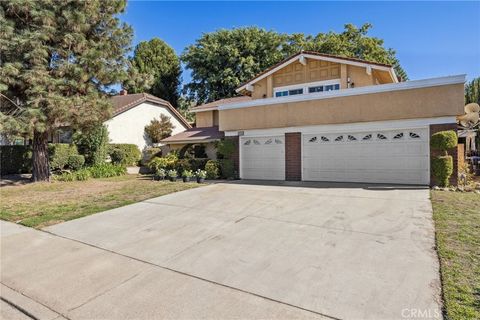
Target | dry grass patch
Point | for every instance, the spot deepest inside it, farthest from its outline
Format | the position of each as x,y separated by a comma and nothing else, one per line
457,226
43,204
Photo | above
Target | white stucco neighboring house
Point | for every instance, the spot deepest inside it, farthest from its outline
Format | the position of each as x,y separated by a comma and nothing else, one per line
132,112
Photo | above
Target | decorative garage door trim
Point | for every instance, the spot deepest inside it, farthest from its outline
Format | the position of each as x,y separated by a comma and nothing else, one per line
262,157
382,156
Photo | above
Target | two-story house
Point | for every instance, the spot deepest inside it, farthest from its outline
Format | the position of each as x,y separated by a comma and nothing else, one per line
318,117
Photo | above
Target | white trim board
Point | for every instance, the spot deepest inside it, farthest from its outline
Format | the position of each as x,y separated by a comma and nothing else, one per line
300,57
357,126
408,85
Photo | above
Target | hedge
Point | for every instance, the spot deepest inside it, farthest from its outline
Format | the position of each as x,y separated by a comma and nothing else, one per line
15,159
105,170
124,154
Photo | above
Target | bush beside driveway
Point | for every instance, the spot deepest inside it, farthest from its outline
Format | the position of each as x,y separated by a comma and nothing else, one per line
457,226
43,204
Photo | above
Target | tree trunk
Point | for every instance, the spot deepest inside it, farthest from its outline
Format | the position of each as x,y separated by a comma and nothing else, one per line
41,170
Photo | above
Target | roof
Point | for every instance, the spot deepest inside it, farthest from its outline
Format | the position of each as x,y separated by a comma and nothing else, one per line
122,103
193,135
292,58
214,104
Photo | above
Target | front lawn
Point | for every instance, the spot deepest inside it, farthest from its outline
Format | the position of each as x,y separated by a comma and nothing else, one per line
457,225
43,204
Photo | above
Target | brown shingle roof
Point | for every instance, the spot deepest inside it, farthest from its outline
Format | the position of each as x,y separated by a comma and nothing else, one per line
193,135
315,53
122,103
214,104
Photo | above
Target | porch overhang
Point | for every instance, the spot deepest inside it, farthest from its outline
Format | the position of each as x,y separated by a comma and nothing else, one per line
195,135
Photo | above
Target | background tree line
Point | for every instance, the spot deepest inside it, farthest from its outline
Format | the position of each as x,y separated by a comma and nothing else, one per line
220,61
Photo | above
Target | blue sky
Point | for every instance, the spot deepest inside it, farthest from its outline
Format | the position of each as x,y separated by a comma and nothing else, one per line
431,38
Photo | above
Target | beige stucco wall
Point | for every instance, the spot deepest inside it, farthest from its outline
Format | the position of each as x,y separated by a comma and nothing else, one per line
204,119
359,76
129,126
429,102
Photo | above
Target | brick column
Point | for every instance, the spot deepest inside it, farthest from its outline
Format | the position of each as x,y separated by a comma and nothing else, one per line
434,128
236,154
293,156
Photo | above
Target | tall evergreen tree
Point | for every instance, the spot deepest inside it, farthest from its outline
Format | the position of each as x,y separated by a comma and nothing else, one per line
58,57
157,59
220,61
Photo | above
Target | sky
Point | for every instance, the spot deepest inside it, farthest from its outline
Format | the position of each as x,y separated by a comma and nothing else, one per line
431,39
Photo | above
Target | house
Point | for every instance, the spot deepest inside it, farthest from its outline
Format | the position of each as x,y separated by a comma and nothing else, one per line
132,112
318,117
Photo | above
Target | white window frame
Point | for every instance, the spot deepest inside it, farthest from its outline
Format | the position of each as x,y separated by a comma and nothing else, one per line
305,87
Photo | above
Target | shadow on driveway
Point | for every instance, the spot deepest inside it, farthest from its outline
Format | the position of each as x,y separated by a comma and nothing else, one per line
328,185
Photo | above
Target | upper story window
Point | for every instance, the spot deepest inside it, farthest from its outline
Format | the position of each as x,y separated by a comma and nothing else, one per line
324,88
285,93
314,87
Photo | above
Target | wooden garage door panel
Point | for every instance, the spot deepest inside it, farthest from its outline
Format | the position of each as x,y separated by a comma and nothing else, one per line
395,156
263,158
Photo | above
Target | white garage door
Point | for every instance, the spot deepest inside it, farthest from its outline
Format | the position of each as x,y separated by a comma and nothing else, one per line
394,156
263,158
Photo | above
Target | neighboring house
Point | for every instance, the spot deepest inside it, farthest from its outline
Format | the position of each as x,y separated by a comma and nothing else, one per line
132,112
318,117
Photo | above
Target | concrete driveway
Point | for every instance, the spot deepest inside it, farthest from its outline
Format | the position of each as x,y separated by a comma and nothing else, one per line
292,250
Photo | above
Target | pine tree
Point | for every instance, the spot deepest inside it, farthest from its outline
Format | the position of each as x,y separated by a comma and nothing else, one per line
156,59
58,59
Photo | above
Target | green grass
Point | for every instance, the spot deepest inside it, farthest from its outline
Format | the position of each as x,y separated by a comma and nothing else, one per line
457,225
43,204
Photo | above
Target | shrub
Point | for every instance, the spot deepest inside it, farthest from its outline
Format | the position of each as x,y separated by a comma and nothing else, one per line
227,169
124,154
150,153
66,176
444,140
442,169
168,162
201,174
225,148
213,169
83,174
172,174
187,173
15,159
59,153
106,170
92,144
75,161
183,164
161,173
442,166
